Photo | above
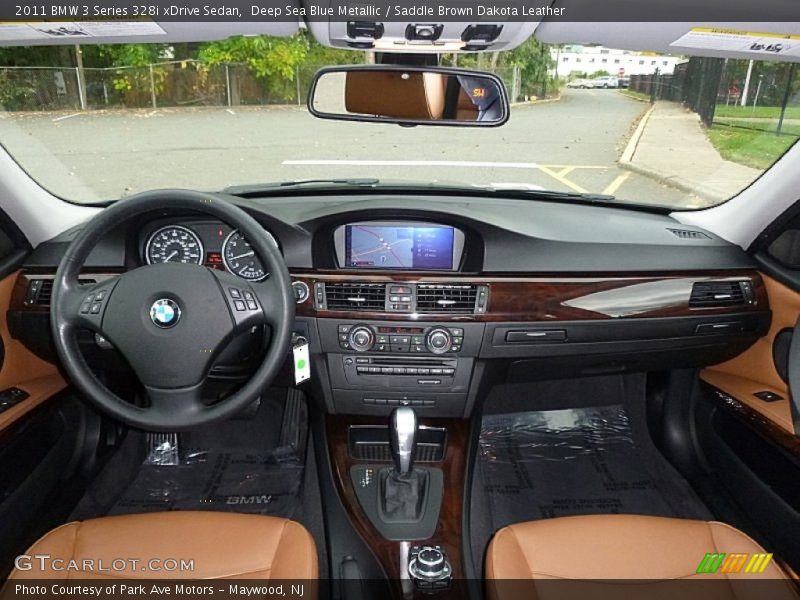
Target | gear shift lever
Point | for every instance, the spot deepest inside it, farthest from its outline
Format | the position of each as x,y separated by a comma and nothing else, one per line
402,436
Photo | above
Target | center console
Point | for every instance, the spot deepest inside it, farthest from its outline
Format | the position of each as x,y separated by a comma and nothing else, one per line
375,366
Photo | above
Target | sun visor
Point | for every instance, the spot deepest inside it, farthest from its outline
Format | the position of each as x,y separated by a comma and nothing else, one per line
736,40
133,31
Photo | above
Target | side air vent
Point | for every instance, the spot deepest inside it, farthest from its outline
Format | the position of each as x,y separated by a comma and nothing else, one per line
712,294
446,298
40,291
689,234
355,296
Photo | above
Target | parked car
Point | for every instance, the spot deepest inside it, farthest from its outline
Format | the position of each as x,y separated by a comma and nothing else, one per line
578,83
604,82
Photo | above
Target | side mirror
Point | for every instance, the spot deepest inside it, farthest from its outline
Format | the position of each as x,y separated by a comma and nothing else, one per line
409,96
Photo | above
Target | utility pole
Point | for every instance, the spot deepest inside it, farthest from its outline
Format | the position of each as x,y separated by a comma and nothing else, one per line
746,88
80,76
786,94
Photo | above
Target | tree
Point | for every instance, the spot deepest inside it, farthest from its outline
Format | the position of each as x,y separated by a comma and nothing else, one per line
273,60
534,62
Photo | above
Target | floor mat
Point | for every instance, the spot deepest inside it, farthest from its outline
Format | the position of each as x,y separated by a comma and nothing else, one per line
233,479
554,463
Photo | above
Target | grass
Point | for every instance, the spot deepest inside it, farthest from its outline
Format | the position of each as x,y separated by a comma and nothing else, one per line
765,125
750,147
635,95
758,112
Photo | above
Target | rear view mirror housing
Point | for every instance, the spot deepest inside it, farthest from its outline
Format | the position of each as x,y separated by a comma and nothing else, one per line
409,96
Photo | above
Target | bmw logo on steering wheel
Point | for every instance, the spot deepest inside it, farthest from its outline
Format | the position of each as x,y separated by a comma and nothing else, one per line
165,313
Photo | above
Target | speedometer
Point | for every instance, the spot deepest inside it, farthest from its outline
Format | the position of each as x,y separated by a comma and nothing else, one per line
240,258
174,243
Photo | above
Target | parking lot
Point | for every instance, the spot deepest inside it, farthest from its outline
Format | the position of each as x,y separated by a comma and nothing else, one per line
569,145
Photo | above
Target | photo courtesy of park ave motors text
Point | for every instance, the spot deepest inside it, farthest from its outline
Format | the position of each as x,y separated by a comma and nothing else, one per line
437,300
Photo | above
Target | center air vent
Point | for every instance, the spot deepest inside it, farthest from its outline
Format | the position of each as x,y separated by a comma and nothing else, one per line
712,294
356,296
446,298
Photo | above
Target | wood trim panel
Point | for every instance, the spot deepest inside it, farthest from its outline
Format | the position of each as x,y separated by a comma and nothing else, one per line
519,298
743,389
448,530
757,420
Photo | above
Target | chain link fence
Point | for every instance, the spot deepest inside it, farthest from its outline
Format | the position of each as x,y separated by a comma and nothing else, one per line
763,96
182,84
168,84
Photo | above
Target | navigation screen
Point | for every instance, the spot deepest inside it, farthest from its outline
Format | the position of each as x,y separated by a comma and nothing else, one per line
399,247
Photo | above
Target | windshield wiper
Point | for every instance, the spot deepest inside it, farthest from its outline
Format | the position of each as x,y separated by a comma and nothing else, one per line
266,187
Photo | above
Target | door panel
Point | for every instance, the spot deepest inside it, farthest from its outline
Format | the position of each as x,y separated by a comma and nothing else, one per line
754,370
21,368
748,444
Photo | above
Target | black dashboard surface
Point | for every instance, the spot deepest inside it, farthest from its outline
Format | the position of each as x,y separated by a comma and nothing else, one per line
503,235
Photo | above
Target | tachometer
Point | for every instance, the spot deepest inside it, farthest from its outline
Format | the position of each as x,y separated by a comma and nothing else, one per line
174,243
240,258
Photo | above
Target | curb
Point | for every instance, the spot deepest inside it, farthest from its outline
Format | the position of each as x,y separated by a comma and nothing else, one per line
633,97
626,162
670,180
546,101
630,147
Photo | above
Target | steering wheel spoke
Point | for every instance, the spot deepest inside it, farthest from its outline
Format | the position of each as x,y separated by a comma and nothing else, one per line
243,302
271,296
85,304
176,404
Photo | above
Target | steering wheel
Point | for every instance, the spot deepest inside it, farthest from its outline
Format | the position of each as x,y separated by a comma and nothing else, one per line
171,320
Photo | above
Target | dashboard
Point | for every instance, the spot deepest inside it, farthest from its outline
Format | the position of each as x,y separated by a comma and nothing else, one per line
420,305
202,242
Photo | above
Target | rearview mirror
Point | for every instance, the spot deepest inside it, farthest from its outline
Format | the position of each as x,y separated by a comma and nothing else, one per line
409,96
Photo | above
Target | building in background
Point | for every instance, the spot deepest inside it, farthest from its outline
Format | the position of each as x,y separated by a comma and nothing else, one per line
579,61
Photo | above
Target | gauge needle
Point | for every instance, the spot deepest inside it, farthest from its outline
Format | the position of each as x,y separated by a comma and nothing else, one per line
245,255
171,256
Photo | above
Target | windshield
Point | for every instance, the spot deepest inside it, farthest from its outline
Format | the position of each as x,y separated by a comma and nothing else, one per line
98,123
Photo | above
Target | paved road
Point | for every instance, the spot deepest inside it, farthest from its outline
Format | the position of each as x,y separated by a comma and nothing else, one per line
569,145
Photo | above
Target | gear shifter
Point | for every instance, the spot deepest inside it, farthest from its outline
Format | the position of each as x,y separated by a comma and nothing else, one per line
403,488
402,436
403,500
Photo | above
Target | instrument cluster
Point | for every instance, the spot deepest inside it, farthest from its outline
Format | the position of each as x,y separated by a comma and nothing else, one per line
209,243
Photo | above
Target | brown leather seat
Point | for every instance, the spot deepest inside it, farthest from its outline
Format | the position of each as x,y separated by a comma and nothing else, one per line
221,545
620,547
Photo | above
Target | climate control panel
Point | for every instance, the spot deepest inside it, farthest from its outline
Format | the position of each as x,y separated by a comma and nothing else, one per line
362,337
